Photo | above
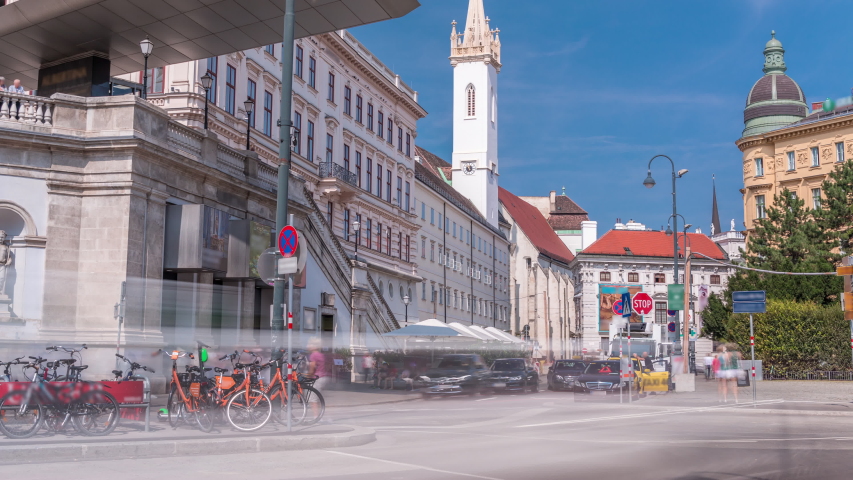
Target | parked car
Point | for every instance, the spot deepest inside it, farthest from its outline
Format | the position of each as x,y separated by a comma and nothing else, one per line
562,375
600,378
513,375
455,375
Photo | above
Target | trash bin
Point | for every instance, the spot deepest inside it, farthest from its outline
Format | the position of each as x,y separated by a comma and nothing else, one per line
743,379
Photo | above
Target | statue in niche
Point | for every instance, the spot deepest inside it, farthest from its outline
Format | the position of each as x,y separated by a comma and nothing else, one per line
5,263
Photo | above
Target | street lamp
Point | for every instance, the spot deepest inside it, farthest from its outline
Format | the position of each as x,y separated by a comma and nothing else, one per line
356,226
649,182
406,303
206,83
249,105
147,47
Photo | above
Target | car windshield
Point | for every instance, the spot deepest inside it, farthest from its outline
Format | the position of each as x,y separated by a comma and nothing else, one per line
455,362
602,368
569,365
512,364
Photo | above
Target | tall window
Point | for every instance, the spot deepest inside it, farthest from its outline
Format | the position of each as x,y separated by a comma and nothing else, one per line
715,279
156,79
390,132
423,211
378,180
660,313
423,247
399,192
839,152
660,278
297,130
471,96
358,109
368,233
346,157
330,142
815,157
759,167
312,72
330,210
408,144
759,207
358,167
400,244
388,186
251,93
268,119
369,174
380,125
370,116
270,49
347,100
230,89
633,277
346,224
604,276
399,139
408,195
298,70
331,95
432,216
791,164
309,142
388,242
358,233
212,70
379,237
816,198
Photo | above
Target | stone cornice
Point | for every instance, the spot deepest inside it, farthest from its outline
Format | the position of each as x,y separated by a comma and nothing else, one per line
795,131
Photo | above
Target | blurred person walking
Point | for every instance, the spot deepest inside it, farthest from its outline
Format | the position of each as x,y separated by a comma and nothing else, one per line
319,366
717,366
709,365
367,365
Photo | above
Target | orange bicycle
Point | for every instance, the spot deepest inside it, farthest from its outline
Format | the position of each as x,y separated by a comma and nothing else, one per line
181,404
247,406
276,390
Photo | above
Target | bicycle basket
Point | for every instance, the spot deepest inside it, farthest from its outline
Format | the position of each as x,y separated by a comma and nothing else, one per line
307,380
195,390
224,382
185,379
238,378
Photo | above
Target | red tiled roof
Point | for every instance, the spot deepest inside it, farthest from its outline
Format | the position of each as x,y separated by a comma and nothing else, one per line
644,243
565,205
531,221
567,222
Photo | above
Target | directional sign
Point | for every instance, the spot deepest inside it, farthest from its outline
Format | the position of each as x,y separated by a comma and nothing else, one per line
642,303
749,302
626,304
675,296
752,296
288,240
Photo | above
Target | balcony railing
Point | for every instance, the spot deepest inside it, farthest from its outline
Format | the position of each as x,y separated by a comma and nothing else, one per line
333,170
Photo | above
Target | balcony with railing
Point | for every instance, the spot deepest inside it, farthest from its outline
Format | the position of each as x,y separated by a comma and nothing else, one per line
333,170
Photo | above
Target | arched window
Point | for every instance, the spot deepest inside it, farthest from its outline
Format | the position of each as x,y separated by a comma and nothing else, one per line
470,95
494,111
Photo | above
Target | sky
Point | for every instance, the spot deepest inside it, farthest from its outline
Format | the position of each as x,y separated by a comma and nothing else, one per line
589,91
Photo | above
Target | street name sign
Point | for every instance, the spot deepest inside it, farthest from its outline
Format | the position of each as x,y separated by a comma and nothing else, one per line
749,302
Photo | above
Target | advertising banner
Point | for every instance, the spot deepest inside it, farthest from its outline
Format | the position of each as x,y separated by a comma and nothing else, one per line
610,304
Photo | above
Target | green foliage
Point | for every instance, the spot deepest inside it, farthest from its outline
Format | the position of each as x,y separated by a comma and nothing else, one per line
791,238
715,319
836,213
795,336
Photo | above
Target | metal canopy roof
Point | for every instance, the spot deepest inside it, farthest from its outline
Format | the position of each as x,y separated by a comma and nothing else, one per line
36,33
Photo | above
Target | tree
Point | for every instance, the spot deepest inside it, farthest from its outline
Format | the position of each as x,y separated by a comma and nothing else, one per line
791,239
715,319
836,212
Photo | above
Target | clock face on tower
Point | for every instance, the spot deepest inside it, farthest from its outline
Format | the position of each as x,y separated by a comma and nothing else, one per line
468,168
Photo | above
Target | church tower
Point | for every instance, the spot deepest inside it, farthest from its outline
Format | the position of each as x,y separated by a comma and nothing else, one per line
475,56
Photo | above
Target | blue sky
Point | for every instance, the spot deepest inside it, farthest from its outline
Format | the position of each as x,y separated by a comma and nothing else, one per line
591,90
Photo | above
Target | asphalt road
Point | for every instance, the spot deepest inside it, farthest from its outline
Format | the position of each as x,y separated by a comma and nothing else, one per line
536,436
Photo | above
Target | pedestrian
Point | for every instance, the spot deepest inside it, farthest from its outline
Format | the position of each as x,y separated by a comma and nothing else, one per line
380,375
16,87
367,365
2,84
390,376
318,366
536,367
709,362
734,371
647,361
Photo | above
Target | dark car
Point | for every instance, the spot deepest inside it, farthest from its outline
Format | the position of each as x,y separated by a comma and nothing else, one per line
562,375
513,375
600,378
455,375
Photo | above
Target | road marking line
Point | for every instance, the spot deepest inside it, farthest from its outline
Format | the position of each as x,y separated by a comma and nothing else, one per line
650,414
412,465
484,399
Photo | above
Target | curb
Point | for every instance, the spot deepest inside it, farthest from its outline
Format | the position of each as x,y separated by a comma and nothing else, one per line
771,411
27,454
416,397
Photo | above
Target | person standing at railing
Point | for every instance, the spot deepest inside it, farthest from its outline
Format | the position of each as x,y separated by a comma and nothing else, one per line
2,84
17,87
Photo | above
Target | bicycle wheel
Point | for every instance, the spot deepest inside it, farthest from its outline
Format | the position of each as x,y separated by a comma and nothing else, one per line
17,420
203,415
316,405
248,411
96,413
176,408
279,406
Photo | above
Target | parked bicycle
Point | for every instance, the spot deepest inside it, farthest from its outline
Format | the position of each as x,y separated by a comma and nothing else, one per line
185,395
122,376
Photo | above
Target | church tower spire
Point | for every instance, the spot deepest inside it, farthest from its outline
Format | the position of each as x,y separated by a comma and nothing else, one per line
475,56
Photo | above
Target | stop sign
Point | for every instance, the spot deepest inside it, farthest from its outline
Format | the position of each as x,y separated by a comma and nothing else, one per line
642,303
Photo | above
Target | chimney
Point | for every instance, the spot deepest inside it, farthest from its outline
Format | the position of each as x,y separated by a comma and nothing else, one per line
552,197
817,106
589,233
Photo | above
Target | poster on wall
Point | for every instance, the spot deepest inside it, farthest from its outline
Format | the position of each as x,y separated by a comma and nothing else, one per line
260,238
610,304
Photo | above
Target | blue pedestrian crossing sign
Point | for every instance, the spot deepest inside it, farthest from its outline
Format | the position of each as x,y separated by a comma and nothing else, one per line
288,240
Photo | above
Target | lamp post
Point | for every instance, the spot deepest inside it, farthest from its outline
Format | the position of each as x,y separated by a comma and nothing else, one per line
147,47
356,227
649,182
685,330
249,105
206,83
406,303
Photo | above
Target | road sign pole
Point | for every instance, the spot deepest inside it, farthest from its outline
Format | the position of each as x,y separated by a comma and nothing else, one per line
621,373
631,364
289,340
685,332
752,347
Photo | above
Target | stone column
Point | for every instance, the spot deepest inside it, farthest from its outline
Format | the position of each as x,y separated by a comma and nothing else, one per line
61,257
